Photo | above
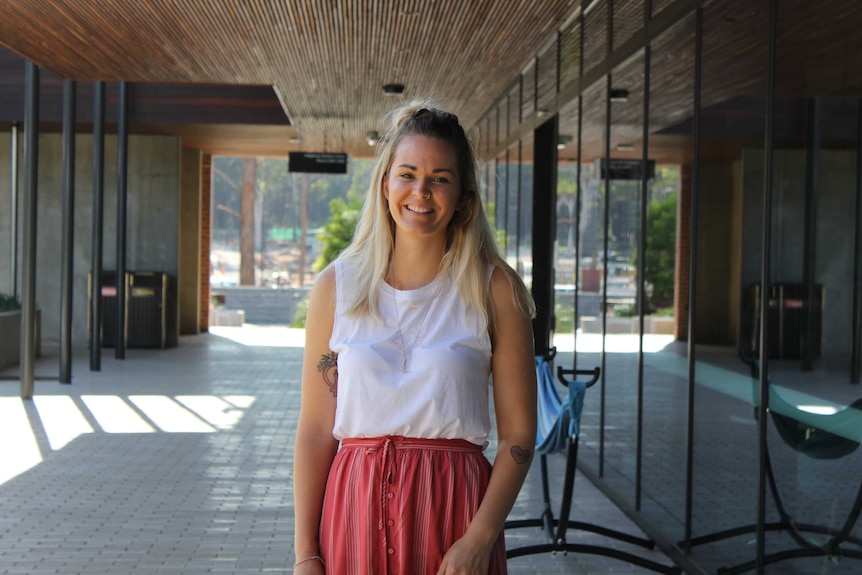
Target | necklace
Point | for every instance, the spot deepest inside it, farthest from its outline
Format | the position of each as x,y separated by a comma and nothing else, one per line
407,351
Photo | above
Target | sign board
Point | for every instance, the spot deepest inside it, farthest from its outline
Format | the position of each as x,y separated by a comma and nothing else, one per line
317,162
627,169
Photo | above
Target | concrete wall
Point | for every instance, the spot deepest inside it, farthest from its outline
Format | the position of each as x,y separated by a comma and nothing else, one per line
152,225
836,206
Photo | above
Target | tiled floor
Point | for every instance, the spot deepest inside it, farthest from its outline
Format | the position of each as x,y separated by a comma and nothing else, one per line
180,461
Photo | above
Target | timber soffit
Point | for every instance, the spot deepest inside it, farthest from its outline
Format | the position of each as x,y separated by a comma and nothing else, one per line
327,61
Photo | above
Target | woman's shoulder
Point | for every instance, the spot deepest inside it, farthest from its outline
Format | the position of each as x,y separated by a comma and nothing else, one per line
325,283
508,293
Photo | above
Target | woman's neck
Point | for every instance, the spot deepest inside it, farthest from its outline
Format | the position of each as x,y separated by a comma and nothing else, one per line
414,264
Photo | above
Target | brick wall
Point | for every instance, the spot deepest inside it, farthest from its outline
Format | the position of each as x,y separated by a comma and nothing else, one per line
206,239
683,242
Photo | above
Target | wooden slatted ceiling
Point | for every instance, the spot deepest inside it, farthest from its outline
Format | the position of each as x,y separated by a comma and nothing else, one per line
819,55
326,60
628,20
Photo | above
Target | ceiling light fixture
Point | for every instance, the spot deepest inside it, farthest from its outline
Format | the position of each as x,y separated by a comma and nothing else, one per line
393,89
563,140
619,95
372,137
625,147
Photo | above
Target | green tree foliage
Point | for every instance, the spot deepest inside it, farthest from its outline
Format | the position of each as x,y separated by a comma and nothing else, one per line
338,231
280,193
660,256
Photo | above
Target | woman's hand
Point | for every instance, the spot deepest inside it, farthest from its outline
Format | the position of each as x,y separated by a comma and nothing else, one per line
465,558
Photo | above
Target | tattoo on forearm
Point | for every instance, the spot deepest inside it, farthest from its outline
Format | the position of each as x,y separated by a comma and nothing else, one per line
520,455
328,367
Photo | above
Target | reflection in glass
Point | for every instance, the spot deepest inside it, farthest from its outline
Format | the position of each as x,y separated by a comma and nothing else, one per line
663,472
620,276
732,128
525,212
513,192
566,242
589,264
500,204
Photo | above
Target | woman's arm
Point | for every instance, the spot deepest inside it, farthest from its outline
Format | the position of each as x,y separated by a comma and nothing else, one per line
514,380
315,447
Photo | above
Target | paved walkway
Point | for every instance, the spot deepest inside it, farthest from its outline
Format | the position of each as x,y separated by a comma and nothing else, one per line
180,461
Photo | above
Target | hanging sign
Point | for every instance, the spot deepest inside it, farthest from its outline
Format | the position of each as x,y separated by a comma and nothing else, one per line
317,162
627,169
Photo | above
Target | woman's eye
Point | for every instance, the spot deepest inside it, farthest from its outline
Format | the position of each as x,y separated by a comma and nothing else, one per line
441,180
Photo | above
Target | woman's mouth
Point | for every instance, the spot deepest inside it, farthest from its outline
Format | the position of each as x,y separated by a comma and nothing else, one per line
418,209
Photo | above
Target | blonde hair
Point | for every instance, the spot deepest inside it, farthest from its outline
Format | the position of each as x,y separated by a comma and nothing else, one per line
470,242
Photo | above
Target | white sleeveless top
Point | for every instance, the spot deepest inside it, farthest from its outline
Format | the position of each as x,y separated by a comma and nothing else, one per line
439,392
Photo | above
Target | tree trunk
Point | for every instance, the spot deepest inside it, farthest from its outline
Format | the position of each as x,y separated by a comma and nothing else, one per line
246,226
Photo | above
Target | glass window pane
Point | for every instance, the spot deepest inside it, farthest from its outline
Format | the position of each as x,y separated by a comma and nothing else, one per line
525,212
665,366
589,313
513,179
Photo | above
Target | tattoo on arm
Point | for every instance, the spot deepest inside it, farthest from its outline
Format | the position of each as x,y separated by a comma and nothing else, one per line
328,367
520,455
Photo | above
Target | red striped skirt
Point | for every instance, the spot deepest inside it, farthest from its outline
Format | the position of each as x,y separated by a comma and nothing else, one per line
395,505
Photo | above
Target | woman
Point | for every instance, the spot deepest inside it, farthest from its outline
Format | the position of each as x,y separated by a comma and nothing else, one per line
402,332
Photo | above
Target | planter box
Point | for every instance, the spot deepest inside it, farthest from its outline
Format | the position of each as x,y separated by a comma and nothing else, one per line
663,325
227,317
10,338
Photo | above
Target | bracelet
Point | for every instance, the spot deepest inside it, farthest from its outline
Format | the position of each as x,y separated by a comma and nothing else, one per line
312,558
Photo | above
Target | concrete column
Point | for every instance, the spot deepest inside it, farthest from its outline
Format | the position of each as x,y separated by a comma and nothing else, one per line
188,281
206,240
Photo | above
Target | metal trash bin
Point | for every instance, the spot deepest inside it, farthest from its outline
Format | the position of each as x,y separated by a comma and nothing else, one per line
108,327
146,309
787,313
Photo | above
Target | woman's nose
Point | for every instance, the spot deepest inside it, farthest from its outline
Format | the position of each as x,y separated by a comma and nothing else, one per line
422,188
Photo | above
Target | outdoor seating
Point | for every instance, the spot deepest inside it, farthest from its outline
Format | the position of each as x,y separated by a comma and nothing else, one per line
558,430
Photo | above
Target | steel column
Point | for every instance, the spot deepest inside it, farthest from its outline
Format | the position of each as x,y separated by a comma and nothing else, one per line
765,279
122,216
809,234
577,231
856,353
692,275
579,195
13,211
544,231
68,241
641,287
31,170
518,213
606,219
98,226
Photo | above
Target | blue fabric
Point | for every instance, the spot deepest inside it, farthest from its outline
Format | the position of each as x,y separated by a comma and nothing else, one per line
558,418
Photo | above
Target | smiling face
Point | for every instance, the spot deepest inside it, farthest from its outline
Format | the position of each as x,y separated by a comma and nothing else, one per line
423,187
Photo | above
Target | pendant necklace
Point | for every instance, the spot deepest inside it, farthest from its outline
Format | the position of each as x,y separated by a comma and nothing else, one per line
407,351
